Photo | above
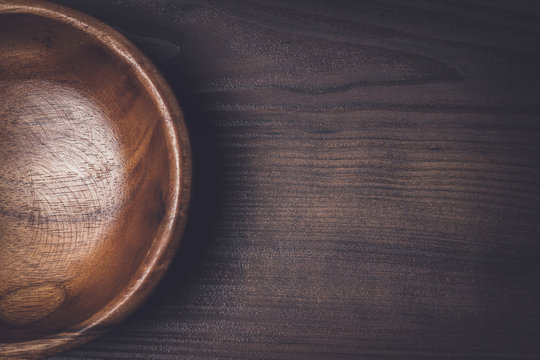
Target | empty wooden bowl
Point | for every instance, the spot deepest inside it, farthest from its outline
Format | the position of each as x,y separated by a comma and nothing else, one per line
94,178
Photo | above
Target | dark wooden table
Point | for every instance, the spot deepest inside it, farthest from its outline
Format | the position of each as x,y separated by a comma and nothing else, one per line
367,180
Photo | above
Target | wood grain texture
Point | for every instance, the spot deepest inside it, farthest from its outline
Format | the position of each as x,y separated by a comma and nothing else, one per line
94,178
367,180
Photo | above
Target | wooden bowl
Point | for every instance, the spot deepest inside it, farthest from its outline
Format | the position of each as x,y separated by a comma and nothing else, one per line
95,173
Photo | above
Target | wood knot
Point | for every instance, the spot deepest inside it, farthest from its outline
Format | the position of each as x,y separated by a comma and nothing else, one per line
30,304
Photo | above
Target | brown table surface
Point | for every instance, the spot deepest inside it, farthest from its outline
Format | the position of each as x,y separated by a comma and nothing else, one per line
367,180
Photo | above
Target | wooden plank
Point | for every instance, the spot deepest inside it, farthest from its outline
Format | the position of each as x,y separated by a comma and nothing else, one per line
367,180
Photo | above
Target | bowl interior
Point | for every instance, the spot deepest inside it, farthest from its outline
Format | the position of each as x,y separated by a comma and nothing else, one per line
85,175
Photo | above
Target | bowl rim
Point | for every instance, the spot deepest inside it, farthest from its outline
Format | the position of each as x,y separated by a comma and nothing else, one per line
165,244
